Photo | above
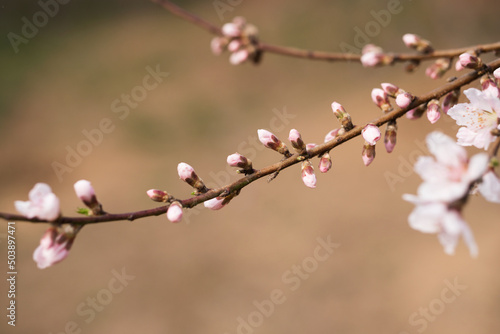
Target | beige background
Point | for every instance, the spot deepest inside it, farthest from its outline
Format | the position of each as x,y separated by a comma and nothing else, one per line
203,274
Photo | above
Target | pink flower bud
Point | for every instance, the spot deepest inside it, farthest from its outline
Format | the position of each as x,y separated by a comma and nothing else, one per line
458,66
390,136
308,176
174,212
342,116
438,68
433,113
237,160
332,134
239,57
325,163
217,45
296,140
234,45
380,98
371,134
416,42
403,100
368,153
84,191
158,195
188,175
496,73
231,30
54,246
269,140
417,112
216,203
372,55
489,86
450,100
470,61
42,204
390,89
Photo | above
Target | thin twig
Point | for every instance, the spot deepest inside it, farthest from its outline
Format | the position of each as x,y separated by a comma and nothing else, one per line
322,55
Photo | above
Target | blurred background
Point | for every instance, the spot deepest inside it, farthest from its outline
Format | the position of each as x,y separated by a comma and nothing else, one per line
251,267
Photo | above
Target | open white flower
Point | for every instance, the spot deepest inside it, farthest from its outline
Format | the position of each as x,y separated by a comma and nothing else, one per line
478,118
42,204
448,178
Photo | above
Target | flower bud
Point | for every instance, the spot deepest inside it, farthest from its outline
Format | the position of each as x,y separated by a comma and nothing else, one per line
174,212
234,45
269,140
158,195
450,100
417,112
390,136
416,42
371,134
403,100
468,60
231,30
325,162
237,160
372,55
216,203
54,245
308,176
296,140
368,153
496,73
458,66
433,111
217,45
342,116
188,175
86,193
489,85
332,134
239,57
438,69
380,98
390,89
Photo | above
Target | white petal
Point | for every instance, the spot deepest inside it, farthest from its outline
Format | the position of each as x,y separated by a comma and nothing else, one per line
478,165
490,187
445,149
427,218
23,207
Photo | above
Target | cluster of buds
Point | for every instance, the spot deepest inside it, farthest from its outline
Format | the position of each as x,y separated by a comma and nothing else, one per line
44,204
371,135
239,38
174,211
402,97
438,68
372,55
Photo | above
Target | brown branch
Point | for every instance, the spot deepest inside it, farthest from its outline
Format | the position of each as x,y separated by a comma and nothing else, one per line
279,166
322,55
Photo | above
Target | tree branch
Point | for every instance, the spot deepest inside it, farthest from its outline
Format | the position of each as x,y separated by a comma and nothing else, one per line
292,160
322,55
